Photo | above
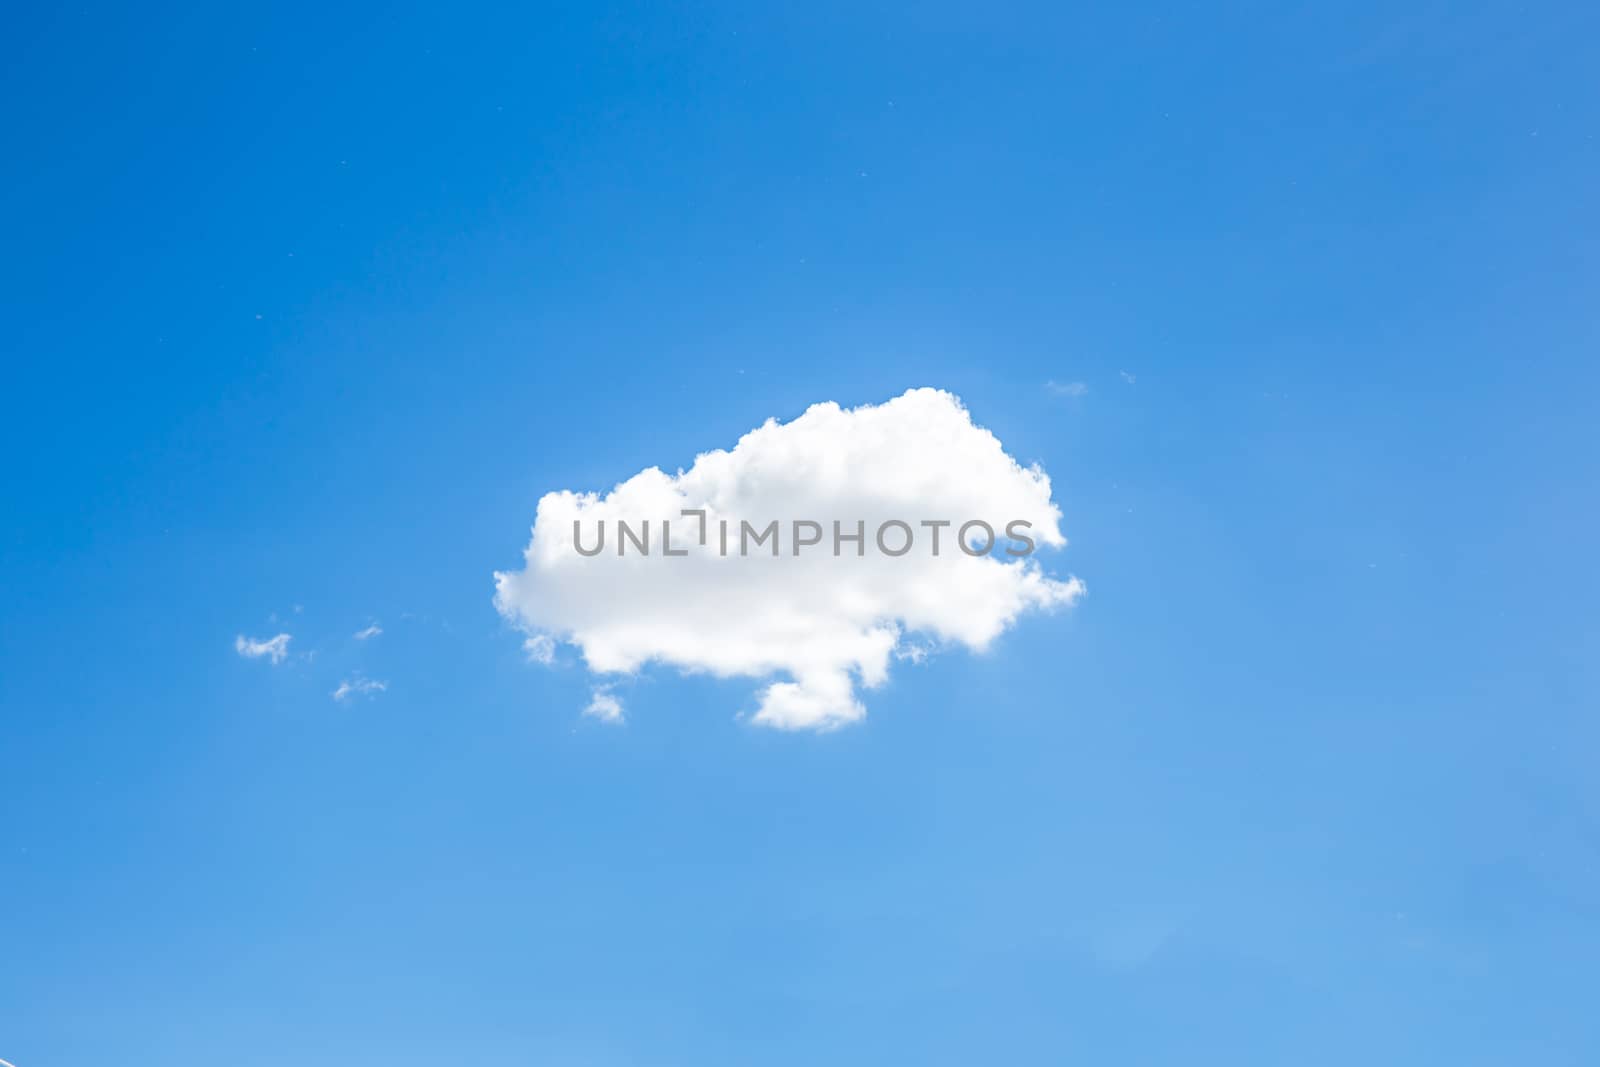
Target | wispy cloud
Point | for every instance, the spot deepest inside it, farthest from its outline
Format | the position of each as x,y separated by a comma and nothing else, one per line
358,686
1073,389
541,648
1129,378
604,706
372,631
274,649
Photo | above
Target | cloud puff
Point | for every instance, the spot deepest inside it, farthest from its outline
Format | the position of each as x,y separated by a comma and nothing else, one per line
813,624
371,631
358,686
541,648
275,649
1072,389
604,706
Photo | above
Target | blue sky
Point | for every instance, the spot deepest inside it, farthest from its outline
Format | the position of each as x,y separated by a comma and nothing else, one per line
306,307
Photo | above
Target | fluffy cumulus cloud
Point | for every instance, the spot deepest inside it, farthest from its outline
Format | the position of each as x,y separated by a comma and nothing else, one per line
273,649
811,613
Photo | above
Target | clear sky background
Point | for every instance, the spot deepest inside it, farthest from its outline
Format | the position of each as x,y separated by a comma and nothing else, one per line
306,306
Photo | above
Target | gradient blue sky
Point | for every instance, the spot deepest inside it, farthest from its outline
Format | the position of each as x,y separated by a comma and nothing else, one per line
305,306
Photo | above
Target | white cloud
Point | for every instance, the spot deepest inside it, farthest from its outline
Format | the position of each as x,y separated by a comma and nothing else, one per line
359,686
604,706
275,649
541,648
371,631
814,625
1129,378
1072,389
